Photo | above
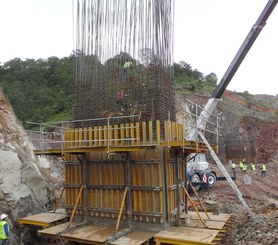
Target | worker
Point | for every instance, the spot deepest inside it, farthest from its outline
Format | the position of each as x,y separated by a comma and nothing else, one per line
263,169
4,229
241,166
234,168
244,168
120,100
127,66
253,168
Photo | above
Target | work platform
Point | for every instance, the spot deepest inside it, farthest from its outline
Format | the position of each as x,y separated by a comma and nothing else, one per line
44,219
118,138
100,234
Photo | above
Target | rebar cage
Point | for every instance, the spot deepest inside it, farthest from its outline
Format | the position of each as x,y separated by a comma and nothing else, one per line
123,59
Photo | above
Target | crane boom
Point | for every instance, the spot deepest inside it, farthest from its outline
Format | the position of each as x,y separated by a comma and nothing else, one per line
230,72
217,94
243,50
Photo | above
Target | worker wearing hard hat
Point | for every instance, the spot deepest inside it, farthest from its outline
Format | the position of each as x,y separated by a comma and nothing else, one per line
241,166
234,168
244,168
253,168
4,229
263,169
127,66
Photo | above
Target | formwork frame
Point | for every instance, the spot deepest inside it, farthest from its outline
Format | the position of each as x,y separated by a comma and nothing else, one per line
132,175
147,158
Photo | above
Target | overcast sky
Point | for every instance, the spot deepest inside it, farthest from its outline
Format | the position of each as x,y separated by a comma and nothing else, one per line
208,33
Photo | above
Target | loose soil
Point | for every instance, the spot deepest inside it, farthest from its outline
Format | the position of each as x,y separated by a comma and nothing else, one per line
261,196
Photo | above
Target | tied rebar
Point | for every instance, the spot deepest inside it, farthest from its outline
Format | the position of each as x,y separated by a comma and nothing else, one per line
123,59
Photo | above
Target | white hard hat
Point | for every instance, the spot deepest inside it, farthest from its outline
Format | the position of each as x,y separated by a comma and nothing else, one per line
3,216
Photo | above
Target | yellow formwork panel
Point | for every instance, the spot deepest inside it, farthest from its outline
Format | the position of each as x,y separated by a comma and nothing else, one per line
96,157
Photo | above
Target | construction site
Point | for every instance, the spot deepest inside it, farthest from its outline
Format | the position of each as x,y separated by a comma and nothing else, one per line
128,158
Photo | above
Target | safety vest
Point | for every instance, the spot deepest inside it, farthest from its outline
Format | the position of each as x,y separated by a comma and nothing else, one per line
241,164
2,230
233,165
253,167
244,168
263,168
128,64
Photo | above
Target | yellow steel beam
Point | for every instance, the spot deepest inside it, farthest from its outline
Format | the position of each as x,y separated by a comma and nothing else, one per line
34,223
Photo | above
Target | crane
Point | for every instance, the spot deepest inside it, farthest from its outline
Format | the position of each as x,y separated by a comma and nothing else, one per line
195,171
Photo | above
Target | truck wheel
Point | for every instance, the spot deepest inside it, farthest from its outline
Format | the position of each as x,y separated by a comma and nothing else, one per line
212,179
195,178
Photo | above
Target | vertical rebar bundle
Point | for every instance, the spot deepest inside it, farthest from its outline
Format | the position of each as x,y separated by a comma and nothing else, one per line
124,59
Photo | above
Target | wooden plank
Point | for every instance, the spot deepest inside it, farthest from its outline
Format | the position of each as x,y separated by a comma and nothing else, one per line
54,230
105,135
43,219
75,139
158,132
132,133
211,224
100,135
110,138
127,134
175,235
81,137
116,135
71,143
122,133
66,139
96,143
135,238
137,133
220,217
89,233
150,132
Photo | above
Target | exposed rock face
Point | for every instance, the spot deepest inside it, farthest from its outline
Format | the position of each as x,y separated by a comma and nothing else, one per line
250,125
23,190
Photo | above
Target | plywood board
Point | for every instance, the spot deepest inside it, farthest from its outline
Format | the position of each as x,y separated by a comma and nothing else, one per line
55,230
43,219
89,233
187,234
219,217
211,224
134,238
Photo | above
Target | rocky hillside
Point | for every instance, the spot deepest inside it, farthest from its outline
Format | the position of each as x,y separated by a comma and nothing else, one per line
26,184
250,125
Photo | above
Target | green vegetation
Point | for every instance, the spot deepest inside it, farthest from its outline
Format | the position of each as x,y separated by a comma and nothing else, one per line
39,90
42,90
193,81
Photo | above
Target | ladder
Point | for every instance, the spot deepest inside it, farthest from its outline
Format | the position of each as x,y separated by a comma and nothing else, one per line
228,177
